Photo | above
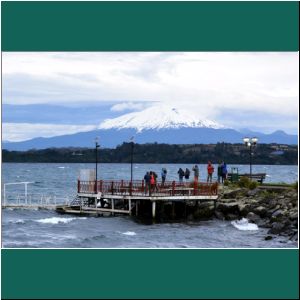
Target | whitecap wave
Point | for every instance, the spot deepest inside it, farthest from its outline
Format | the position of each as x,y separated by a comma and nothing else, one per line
56,220
244,224
129,233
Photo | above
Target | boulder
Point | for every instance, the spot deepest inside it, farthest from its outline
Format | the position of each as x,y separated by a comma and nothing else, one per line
234,193
277,214
294,216
261,211
228,207
231,217
219,215
204,213
276,228
272,203
244,209
253,217
268,238
253,192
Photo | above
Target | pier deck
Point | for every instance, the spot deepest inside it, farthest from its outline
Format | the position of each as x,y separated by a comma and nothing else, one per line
126,197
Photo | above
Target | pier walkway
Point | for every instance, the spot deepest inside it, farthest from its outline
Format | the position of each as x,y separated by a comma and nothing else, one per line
126,197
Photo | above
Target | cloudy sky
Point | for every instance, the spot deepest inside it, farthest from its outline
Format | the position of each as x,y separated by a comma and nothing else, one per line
56,93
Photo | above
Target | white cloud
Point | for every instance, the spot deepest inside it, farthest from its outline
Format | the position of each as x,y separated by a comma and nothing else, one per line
204,82
15,132
129,106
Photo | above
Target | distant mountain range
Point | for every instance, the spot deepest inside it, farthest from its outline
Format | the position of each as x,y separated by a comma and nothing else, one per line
155,124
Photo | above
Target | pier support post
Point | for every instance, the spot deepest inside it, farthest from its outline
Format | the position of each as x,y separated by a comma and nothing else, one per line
112,206
136,208
153,209
173,211
129,206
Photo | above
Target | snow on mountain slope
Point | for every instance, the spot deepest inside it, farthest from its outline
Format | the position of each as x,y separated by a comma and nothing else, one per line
159,117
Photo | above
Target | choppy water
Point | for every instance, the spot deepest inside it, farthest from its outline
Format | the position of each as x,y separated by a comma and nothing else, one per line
47,229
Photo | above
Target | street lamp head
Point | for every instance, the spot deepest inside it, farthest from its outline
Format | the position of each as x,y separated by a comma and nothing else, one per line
254,140
97,142
246,140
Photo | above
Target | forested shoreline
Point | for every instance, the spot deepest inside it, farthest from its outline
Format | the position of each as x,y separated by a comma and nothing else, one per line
161,153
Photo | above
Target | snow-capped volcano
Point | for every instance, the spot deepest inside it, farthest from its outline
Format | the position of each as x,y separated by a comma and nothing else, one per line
159,117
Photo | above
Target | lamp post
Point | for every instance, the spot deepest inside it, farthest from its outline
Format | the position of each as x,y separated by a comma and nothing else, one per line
131,160
250,142
96,152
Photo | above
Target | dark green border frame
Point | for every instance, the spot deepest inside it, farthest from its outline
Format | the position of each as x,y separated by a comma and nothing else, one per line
145,26
172,274
150,26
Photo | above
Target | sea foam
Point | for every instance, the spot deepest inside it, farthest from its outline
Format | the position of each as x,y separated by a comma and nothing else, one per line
129,233
56,220
244,224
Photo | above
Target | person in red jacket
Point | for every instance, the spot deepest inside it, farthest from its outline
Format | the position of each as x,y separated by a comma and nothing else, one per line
210,171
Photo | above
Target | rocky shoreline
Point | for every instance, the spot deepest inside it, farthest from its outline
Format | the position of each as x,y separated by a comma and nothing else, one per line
269,207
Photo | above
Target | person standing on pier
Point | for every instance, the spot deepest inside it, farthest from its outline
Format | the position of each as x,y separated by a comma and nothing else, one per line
155,181
147,182
152,182
196,173
163,176
224,172
187,174
210,171
181,174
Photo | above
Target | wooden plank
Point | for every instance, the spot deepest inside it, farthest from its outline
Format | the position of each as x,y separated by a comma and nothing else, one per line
105,210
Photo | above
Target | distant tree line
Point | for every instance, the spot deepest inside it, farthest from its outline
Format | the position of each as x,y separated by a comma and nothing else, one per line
161,153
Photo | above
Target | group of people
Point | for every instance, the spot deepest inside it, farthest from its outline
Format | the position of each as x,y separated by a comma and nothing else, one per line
150,177
222,172
186,174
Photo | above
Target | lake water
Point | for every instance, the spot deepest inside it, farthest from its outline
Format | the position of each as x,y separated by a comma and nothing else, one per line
47,229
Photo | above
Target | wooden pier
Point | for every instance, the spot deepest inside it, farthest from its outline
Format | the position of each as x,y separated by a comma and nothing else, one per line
110,197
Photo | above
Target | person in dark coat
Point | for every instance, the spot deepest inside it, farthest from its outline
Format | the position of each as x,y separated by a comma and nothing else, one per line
224,172
187,174
180,174
163,176
147,182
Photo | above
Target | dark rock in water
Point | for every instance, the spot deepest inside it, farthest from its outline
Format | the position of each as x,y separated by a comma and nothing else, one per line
244,209
253,217
261,211
268,238
294,237
231,217
276,228
228,207
262,223
219,215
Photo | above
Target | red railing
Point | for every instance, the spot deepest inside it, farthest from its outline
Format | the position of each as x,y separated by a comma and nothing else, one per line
139,188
